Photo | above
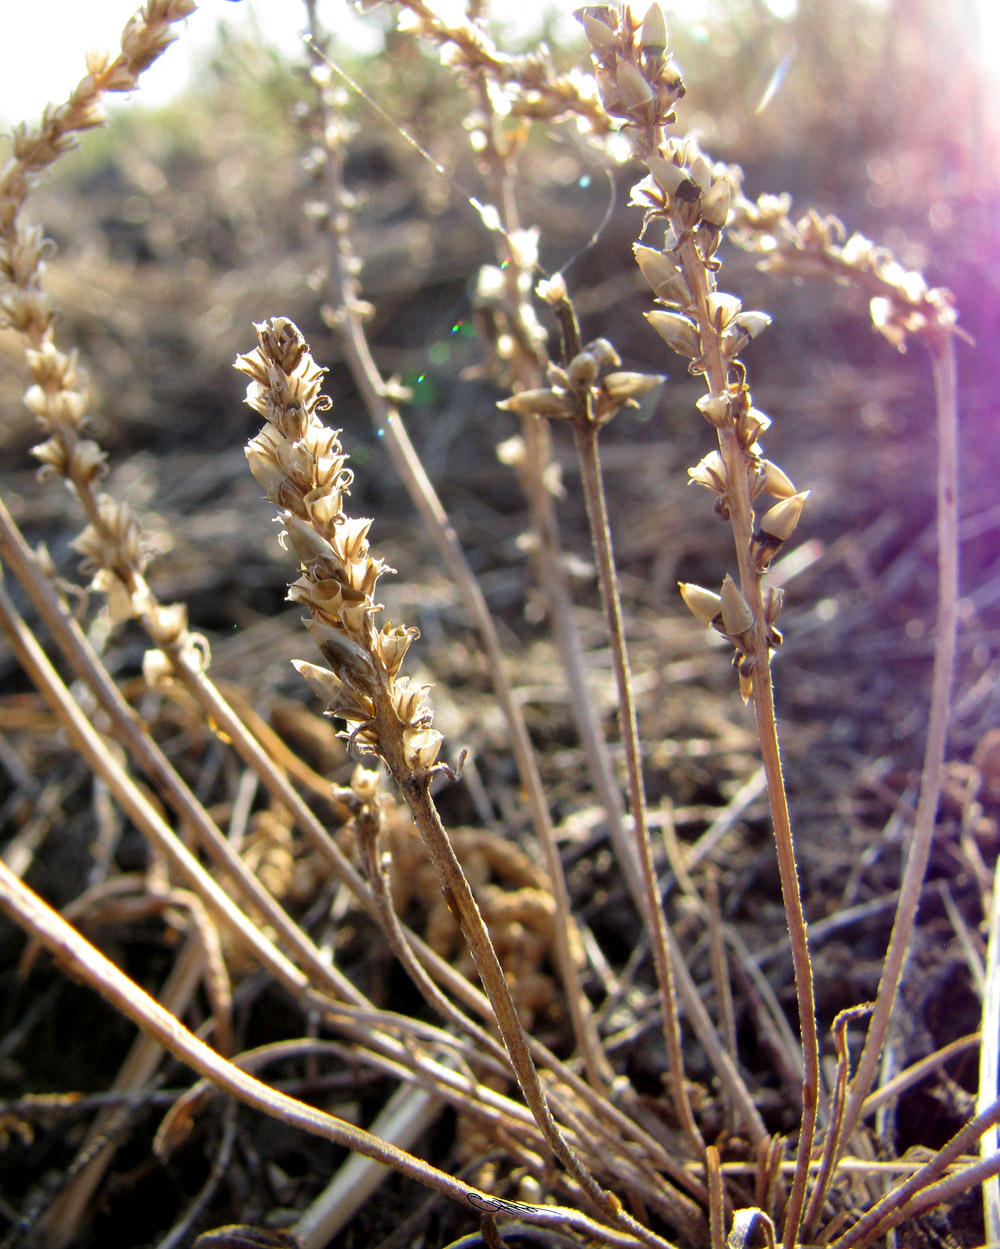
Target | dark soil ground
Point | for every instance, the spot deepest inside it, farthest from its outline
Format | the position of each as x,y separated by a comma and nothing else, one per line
171,242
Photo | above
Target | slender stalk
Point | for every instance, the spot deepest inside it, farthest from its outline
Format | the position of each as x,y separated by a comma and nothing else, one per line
415,788
527,366
368,826
942,352
88,965
831,1145
716,1203
640,85
386,417
767,731
888,1211
656,921
741,518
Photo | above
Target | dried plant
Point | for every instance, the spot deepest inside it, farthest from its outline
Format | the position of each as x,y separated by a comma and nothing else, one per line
562,1141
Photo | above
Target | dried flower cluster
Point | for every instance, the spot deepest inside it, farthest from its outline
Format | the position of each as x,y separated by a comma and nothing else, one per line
301,466
584,391
111,544
900,300
690,196
526,86
25,305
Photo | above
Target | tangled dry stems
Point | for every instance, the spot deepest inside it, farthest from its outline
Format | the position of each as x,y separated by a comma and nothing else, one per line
678,1184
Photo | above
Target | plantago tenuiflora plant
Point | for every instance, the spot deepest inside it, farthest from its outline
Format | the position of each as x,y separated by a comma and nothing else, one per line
687,199
902,306
693,1157
300,464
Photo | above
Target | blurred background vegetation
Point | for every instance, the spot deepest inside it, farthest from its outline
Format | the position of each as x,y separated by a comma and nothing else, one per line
177,227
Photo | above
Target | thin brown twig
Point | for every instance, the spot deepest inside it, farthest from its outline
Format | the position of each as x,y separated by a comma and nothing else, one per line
942,351
87,964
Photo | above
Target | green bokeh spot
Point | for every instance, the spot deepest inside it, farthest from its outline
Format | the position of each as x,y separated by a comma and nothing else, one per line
423,388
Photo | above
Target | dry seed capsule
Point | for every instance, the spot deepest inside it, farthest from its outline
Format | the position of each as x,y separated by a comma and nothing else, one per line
604,353
672,178
775,528
601,39
703,604
678,332
780,521
582,371
723,309
661,272
750,425
716,409
653,32
636,93
623,386
736,614
775,481
711,472
547,402
716,201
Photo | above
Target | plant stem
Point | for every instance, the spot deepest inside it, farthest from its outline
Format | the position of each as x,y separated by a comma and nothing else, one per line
81,960
134,736
741,517
593,488
387,420
415,787
942,352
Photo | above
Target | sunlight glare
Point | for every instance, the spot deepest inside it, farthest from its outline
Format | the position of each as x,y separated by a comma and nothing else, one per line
987,37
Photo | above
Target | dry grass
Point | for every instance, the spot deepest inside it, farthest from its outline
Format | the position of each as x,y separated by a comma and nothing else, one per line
660,1051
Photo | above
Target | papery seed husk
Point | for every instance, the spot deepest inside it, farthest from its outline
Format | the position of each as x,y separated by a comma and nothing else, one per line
607,85
711,472
421,746
166,623
653,32
701,172
703,604
780,521
157,669
635,91
723,309
716,201
365,783
630,385
669,177
661,272
716,409
736,614
604,353
306,542
774,600
547,402
601,39
582,371
753,322
750,426
339,649
393,643
677,331
776,481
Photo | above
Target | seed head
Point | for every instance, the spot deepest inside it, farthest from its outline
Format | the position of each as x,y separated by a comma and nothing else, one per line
301,465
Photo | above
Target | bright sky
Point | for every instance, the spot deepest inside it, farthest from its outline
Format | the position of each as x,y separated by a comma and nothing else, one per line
44,41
